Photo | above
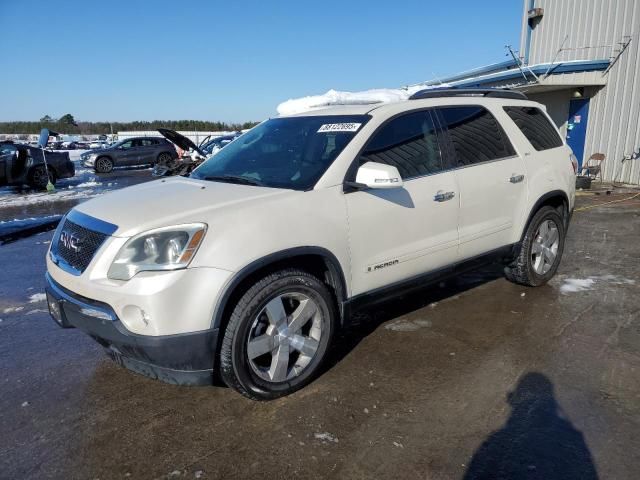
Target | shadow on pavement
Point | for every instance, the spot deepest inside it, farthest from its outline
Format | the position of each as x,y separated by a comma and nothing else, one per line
537,442
367,321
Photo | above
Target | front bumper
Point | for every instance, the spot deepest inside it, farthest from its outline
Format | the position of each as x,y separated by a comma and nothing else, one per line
185,359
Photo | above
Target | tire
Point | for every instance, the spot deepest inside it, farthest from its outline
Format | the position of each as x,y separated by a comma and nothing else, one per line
38,177
277,365
103,165
534,266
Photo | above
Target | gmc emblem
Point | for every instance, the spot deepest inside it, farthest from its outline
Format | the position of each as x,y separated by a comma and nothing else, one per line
70,241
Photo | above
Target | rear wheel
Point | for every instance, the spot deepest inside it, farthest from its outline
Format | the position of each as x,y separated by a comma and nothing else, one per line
541,249
278,335
38,178
104,165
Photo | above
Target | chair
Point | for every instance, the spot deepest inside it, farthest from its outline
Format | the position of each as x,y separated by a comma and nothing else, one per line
593,167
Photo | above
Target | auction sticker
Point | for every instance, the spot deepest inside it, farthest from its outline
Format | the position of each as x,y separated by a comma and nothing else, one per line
339,127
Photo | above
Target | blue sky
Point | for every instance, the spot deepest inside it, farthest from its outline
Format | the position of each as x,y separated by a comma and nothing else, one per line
231,61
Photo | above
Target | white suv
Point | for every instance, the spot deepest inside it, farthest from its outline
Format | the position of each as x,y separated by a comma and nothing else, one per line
250,265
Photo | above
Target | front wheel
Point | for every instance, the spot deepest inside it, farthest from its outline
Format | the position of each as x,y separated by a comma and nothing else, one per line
278,335
104,165
541,249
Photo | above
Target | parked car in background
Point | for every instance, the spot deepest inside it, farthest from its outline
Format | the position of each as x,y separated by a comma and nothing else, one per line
130,152
214,145
70,145
24,165
98,144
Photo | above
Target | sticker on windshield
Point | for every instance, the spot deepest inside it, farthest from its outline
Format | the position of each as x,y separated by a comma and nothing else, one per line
339,127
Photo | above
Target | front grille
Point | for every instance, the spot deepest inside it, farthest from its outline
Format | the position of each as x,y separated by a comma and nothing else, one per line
76,245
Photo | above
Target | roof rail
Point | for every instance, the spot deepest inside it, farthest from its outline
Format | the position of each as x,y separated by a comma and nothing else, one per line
468,92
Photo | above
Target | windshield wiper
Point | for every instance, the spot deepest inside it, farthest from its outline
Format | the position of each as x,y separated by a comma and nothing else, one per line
234,179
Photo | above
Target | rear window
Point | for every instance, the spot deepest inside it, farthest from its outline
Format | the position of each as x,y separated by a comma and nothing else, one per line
535,126
475,134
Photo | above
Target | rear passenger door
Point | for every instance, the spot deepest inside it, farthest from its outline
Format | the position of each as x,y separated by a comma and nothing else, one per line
148,149
490,175
400,233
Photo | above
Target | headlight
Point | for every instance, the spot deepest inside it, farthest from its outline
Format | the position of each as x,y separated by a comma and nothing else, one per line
168,248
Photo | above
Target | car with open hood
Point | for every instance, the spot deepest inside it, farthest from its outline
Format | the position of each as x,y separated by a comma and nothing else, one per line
247,267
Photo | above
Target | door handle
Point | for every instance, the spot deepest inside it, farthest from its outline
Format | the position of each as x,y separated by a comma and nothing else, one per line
516,178
441,196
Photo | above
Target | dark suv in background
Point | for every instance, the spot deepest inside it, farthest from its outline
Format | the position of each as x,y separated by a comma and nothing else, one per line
130,152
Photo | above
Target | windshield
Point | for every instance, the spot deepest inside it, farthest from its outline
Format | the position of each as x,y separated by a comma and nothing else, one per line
283,152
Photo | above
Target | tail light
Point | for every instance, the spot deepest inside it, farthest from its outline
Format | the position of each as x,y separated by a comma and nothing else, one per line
574,163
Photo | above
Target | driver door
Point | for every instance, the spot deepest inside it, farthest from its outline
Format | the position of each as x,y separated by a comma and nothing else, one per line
402,233
127,154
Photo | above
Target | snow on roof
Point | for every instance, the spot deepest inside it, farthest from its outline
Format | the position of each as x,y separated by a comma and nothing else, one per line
334,97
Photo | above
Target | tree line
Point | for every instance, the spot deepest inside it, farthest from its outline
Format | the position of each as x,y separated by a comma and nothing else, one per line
69,126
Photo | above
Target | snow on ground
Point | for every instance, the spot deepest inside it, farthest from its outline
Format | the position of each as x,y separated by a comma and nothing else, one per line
46,197
37,297
573,285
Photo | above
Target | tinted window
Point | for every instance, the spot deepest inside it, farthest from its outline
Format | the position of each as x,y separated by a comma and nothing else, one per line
476,135
147,142
283,152
6,148
408,143
535,126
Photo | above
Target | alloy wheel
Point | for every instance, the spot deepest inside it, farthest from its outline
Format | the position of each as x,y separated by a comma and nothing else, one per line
544,248
284,337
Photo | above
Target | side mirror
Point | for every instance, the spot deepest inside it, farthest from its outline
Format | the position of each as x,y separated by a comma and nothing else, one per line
377,175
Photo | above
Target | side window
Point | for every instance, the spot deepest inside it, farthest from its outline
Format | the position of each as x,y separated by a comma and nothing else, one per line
535,126
7,148
127,144
146,142
475,134
408,143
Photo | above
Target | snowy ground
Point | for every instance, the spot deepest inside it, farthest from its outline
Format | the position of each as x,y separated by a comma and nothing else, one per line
22,205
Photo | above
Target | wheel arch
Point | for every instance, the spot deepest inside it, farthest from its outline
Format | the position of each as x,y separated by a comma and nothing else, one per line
315,260
557,199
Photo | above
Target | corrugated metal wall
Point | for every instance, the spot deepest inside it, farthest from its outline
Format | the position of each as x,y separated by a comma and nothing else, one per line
593,30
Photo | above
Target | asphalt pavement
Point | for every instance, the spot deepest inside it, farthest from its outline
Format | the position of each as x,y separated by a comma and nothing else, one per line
475,378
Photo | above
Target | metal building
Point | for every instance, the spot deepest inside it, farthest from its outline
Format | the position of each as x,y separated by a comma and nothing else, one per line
581,58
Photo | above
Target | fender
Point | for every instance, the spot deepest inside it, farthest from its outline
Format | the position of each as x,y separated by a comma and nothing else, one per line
540,202
335,269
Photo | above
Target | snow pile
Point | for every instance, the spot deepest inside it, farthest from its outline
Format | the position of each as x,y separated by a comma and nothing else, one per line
37,297
91,183
335,97
572,285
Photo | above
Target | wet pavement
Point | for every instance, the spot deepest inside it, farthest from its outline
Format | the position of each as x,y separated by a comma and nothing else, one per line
476,378
23,203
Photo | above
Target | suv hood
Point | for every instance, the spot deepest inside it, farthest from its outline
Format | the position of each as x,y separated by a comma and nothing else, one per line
180,140
169,202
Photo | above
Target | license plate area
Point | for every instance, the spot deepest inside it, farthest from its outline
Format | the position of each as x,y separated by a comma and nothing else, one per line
56,310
